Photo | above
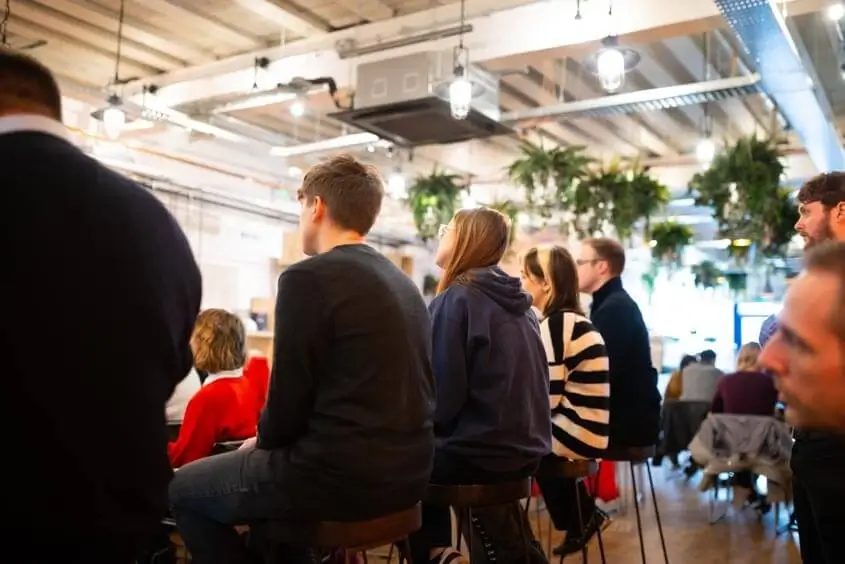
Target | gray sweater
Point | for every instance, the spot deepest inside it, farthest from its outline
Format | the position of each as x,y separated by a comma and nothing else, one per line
700,382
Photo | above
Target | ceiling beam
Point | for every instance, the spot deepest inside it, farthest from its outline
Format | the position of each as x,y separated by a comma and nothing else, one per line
287,16
133,29
50,18
537,26
369,10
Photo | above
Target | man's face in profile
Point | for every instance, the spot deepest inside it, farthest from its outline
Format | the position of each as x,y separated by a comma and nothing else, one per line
813,224
806,355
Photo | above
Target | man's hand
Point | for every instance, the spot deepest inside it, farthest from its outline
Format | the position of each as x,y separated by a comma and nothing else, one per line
249,443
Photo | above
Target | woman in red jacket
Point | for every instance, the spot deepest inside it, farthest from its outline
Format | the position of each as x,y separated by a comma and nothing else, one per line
225,408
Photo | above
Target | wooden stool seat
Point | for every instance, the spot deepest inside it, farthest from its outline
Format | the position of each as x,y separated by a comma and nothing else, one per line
634,455
562,468
353,536
478,495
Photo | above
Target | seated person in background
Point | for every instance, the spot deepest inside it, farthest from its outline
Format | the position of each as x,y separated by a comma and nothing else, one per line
579,388
183,393
748,391
701,378
224,408
675,387
257,374
492,421
346,433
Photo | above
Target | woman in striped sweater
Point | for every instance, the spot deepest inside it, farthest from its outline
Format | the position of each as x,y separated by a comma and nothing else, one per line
579,390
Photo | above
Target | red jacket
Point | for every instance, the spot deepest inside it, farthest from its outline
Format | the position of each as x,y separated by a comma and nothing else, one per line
222,410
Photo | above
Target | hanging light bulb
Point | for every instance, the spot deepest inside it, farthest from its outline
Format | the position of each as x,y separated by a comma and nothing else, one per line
705,151
610,68
297,108
114,118
460,96
467,201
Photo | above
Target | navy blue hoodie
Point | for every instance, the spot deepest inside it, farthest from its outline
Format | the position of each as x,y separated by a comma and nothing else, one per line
491,373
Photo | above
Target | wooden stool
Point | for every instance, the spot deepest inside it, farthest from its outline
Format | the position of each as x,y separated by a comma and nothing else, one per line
578,470
635,456
350,537
463,499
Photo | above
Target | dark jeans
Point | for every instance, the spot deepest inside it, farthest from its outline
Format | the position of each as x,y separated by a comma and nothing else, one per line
436,531
818,465
559,495
210,496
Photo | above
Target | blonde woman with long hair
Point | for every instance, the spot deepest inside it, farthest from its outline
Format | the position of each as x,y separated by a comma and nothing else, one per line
491,421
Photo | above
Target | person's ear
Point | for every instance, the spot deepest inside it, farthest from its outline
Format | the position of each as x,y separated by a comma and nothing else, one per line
319,210
839,212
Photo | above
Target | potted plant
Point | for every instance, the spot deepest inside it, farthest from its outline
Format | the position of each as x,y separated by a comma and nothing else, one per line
616,195
433,199
547,175
742,187
737,282
668,240
707,275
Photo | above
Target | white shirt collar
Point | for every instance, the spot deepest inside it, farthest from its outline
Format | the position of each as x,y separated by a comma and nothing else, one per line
31,122
237,373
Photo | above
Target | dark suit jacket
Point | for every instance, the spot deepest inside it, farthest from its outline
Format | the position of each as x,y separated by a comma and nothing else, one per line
634,398
98,298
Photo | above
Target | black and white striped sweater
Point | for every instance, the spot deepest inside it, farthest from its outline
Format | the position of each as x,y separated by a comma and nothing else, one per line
579,385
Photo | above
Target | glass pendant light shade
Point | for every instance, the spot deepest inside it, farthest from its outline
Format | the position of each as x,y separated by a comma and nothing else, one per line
610,68
114,119
460,97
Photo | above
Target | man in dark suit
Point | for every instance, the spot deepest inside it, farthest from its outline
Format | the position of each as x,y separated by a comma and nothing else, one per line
98,302
634,398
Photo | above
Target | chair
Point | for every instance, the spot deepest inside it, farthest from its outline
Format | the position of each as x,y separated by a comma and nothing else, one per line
463,499
350,537
635,456
577,470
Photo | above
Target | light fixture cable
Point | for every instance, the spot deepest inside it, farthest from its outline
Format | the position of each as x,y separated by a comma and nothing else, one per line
118,52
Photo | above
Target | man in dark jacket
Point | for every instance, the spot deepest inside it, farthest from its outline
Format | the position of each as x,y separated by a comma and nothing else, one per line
99,300
634,398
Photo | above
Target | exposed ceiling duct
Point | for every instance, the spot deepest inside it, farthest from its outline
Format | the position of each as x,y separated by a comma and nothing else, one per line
643,100
764,34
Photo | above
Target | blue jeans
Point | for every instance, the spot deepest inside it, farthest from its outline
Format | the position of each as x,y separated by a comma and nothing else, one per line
210,496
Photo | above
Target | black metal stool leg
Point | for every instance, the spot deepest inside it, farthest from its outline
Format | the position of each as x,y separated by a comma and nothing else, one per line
522,534
594,492
657,515
469,531
406,548
584,550
637,508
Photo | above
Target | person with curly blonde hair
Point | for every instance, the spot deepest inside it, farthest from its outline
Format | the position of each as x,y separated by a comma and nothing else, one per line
224,409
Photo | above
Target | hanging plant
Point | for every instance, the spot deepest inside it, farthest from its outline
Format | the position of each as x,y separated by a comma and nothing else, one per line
707,275
547,176
737,282
742,187
668,240
611,194
511,210
649,279
433,199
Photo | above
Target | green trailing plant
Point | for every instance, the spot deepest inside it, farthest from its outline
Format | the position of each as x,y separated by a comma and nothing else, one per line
742,187
668,240
433,199
616,195
649,279
510,209
707,275
547,176
737,282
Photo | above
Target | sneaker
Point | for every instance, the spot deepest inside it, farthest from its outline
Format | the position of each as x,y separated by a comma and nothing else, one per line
576,543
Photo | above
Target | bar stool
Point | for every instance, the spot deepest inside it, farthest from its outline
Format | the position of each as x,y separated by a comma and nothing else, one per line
578,470
636,456
463,499
354,537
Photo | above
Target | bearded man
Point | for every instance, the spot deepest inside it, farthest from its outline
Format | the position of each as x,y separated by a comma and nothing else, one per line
793,354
